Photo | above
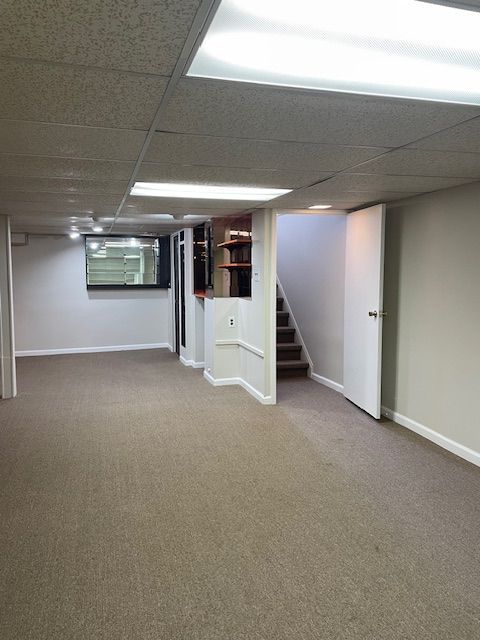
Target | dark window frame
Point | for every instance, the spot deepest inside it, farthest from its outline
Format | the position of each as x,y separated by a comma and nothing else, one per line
162,268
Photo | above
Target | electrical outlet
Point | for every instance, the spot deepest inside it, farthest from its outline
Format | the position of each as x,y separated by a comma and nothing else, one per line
231,321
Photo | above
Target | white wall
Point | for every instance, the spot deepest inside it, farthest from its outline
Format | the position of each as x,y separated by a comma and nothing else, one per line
54,310
431,344
311,270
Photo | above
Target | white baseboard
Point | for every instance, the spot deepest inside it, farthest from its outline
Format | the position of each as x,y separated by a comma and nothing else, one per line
191,363
442,441
327,382
223,382
122,347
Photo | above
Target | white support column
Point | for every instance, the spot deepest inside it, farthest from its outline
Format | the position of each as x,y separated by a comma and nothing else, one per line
8,378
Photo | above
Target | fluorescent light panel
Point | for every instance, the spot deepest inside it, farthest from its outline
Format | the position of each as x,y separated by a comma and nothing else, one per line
321,206
207,192
403,48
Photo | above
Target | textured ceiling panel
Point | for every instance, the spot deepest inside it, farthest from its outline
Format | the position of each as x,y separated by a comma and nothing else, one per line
63,185
40,138
462,137
140,36
370,182
45,167
60,198
339,198
255,154
416,162
52,208
151,172
75,95
231,109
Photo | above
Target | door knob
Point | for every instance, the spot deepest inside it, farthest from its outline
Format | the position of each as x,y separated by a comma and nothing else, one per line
373,314
376,314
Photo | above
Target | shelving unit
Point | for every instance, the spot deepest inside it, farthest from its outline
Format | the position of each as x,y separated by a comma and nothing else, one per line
235,265
239,246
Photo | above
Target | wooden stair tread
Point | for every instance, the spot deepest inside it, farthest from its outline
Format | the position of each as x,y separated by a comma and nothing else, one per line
292,364
289,346
285,329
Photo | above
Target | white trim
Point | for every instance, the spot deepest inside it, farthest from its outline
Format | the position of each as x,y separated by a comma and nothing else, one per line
223,382
240,343
192,363
331,384
298,334
122,347
444,442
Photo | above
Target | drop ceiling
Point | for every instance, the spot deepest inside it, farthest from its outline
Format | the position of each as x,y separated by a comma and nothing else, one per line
94,95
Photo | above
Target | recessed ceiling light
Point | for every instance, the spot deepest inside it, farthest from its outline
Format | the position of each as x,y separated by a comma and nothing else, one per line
321,206
93,245
405,48
201,191
74,235
97,228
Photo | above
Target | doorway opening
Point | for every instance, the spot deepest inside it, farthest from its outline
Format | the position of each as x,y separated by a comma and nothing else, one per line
329,301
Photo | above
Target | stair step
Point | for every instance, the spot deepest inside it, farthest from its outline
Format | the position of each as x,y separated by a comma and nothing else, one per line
286,368
292,364
285,334
289,346
282,318
279,303
289,351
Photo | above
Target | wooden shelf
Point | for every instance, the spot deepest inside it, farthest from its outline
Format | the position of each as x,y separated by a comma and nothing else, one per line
236,265
232,244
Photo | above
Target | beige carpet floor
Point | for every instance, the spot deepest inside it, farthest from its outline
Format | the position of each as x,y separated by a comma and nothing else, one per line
139,503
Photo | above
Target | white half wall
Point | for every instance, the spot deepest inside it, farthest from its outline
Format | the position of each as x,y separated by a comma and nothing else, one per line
311,270
244,354
54,312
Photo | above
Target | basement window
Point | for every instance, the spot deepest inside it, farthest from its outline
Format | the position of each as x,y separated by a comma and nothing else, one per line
114,262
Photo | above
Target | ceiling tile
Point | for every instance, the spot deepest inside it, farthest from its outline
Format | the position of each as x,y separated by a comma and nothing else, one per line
64,199
371,182
255,154
152,172
262,112
462,137
45,167
140,36
339,199
51,208
76,95
63,185
45,139
418,162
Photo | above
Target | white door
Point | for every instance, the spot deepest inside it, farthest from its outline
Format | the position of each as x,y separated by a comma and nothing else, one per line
362,363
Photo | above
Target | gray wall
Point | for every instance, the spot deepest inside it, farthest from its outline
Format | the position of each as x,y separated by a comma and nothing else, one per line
311,269
431,366
54,310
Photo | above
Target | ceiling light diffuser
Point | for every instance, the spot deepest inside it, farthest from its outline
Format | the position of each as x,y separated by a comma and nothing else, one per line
74,235
208,192
321,206
97,228
405,48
